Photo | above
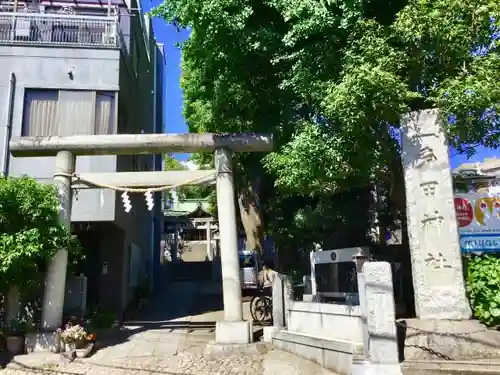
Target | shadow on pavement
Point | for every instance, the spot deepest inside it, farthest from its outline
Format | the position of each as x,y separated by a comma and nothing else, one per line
170,311
181,299
5,358
134,328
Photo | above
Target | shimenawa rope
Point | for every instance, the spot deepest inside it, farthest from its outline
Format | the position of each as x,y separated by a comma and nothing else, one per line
133,190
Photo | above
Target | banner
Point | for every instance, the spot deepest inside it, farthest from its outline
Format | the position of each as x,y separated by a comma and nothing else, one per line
478,218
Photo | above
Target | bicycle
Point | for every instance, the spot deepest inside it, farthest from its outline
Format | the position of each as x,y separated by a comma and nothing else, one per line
261,308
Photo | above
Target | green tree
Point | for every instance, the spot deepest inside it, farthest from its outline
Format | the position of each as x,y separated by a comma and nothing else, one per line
201,191
332,80
30,233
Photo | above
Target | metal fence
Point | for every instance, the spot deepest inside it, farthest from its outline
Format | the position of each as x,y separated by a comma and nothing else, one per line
59,29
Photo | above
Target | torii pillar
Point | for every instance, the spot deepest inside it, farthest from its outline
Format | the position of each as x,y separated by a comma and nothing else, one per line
233,329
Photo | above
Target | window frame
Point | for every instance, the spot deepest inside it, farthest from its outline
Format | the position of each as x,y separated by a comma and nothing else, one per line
114,107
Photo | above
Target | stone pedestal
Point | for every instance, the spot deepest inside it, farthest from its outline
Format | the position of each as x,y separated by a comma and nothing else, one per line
380,314
364,310
278,309
238,332
381,355
278,303
43,342
267,334
449,340
287,297
368,368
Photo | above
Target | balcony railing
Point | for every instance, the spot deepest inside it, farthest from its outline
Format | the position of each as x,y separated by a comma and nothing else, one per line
59,30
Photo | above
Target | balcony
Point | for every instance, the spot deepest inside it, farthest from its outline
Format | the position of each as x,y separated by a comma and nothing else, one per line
59,30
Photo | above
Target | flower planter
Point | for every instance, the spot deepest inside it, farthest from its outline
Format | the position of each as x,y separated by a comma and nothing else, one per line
81,344
78,344
15,344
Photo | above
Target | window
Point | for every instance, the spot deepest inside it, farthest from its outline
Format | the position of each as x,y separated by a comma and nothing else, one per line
105,113
68,112
40,113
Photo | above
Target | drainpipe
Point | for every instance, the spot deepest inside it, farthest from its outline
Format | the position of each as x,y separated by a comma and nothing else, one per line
8,125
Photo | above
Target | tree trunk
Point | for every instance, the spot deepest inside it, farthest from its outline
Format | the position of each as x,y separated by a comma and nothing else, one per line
398,192
397,195
13,303
251,218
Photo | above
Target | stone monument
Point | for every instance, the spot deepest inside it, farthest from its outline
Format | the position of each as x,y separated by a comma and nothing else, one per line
432,227
443,326
381,353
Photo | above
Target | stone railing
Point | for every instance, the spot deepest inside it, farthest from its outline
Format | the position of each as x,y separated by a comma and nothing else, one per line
340,337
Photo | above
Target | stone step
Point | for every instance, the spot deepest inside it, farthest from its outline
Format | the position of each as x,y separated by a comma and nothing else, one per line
451,367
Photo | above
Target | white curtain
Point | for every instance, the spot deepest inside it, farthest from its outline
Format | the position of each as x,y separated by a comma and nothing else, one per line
104,113
68,112
76,112
41,113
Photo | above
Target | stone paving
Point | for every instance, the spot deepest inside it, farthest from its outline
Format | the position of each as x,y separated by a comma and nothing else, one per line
170,353
179,345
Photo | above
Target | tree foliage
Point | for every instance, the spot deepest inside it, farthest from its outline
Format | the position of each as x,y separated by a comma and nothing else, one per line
29,230
483,282
201,191
332,80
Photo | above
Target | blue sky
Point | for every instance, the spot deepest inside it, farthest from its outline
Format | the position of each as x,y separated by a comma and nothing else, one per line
174,121
169,36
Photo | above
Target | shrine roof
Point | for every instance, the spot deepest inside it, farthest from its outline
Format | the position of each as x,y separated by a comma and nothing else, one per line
189,207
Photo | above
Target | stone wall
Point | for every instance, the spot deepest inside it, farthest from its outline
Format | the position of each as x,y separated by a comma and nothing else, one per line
328,321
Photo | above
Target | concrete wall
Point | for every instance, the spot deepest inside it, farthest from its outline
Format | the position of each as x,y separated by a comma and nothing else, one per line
334,355
112,249
136,113
47,68
130,73
328,334
328,321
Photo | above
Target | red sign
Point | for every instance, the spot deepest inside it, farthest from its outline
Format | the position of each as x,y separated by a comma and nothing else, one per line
464,212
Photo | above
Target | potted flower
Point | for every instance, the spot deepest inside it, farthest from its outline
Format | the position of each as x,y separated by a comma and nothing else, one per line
15,334
74,335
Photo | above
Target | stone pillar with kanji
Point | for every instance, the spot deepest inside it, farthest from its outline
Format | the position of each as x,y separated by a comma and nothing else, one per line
432,225
443,324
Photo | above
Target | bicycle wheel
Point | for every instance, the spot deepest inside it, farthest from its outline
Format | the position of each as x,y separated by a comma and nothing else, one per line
269,309
253,303
261,309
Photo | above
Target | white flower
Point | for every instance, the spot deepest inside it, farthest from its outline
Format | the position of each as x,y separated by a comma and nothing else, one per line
73,333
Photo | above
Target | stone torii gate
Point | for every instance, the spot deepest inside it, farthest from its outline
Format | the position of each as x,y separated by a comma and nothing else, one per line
233,329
